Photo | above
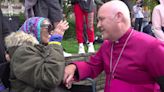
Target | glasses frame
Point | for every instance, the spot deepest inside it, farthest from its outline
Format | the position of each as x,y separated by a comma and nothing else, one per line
49,27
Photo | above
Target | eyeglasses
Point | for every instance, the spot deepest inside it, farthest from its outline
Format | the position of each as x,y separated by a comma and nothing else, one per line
49,27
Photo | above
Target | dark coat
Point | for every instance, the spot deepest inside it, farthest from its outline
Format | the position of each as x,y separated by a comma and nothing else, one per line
3,33
37,69
3,64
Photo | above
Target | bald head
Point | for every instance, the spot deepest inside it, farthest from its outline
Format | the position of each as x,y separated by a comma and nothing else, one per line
114,19
115,6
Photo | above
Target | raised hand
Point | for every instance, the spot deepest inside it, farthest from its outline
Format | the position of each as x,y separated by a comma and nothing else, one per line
61,28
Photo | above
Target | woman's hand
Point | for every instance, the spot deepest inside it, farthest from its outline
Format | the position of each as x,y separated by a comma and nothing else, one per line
61,28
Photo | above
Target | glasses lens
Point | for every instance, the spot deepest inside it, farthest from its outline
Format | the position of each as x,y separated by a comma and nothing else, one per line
49,27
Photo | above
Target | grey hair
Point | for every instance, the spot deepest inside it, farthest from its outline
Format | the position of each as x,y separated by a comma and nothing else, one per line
20,38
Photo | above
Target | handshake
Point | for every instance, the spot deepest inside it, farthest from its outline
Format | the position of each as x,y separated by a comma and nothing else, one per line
69,73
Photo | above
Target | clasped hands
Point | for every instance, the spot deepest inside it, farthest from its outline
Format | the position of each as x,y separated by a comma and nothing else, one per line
69,75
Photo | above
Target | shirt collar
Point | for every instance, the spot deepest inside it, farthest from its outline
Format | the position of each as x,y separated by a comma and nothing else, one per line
124,37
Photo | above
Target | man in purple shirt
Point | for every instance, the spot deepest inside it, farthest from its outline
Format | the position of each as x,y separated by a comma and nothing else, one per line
132,61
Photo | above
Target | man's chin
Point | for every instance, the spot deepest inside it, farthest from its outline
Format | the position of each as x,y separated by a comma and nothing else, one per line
105,38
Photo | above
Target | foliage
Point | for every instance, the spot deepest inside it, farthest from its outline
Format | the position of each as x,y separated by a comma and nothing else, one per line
70,33
21,18
71,46
150,3
67,8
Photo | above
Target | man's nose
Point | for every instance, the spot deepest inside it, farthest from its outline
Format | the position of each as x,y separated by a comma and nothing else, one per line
98,25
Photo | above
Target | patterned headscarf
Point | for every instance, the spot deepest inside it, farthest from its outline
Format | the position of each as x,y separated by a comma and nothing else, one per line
33,26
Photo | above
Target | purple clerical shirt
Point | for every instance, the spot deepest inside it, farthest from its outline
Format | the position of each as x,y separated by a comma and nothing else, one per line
142,62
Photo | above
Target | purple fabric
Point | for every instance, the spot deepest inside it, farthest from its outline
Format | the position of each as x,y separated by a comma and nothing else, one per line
32,26
141,63
56,37
2,87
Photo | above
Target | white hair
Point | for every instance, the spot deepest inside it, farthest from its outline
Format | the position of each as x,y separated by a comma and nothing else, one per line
20,38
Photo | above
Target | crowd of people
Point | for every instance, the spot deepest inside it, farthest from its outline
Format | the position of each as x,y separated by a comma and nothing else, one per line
32,58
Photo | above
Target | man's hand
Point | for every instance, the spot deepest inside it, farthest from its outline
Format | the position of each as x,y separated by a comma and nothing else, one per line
61,28
69,74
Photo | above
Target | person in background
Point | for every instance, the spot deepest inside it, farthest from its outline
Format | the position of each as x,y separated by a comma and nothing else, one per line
132,60
50,9
3,33
138,14
84,11
146,18
148,29
37,62
158,20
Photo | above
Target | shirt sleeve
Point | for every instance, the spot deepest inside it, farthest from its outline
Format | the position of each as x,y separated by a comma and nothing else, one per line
135,9
156,20
155,59
92,68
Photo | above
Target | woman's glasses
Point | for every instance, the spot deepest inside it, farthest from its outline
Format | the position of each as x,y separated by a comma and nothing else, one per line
49,27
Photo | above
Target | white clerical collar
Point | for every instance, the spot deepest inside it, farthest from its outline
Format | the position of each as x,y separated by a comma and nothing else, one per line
116,41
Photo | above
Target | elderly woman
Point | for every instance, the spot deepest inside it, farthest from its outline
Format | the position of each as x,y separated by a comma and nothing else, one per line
158,20
37,61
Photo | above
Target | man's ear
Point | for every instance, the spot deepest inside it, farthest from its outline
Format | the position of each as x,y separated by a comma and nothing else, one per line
119,17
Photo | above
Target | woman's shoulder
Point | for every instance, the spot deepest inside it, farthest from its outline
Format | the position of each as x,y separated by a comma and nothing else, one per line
27,49
27,52
158,7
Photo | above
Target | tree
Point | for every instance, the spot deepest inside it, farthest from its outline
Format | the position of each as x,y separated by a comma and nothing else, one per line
150,3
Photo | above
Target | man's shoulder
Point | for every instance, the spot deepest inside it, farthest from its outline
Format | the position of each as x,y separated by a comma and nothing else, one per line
144,38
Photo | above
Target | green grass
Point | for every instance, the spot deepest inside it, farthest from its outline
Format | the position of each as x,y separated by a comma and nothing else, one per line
71,46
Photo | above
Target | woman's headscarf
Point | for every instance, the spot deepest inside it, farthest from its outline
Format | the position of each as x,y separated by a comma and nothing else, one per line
33,26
